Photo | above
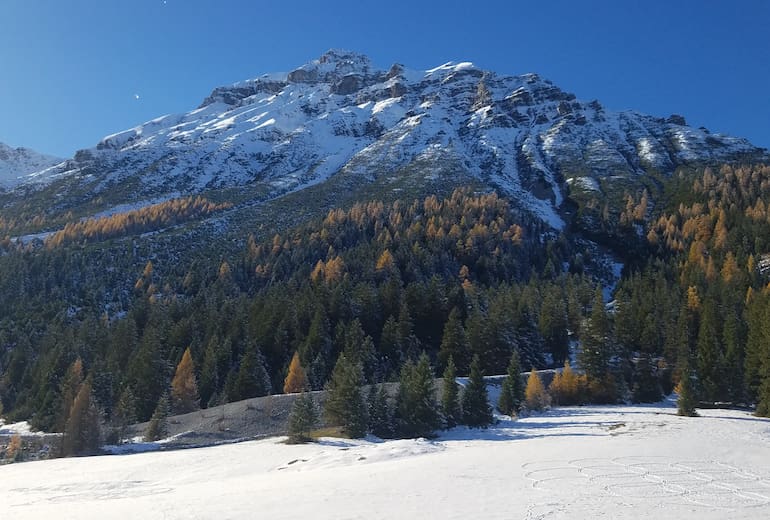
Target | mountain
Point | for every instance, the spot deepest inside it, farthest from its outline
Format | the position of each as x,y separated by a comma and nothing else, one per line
340,114
22,165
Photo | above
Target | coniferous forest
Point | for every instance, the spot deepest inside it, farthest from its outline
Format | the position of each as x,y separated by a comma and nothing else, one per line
465,283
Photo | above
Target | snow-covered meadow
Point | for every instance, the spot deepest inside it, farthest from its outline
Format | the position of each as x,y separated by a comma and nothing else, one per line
581,462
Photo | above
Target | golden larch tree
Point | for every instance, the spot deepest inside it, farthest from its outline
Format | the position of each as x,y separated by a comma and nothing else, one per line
184,388
296,380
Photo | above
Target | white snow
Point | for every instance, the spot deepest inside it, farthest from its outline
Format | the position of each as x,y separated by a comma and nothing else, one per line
624,462
20,428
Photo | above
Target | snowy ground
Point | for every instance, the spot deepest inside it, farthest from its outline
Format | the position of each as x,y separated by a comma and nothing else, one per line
589,462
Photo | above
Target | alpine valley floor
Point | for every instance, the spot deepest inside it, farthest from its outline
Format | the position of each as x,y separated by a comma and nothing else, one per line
577,462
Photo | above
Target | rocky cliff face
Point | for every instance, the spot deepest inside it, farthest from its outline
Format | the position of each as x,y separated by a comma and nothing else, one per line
16,165
521,134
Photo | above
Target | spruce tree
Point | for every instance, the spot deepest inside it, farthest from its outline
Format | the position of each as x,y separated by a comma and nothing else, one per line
450,402
512,391
252,379
646,385
454,343
124,414
184,388
686,402
380,417
475,400
157,428
345,405
416,409
302,419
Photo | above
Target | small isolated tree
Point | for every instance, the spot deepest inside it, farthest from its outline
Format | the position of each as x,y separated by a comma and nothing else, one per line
416,409
512,391
450,402
380,417
157,428
476,410
184,388
296,380
685,404
345,405
303,418
535,396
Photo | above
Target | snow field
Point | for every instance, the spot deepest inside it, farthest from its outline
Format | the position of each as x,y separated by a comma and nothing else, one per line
581,462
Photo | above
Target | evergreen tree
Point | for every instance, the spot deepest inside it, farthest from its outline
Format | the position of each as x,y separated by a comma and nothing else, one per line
512,391
302,419
345,405
380,420
595,353
454,343
646,384
709,356
686,402
416,410
450,402
475,401
157,428
184,388
296,379
69,389
553,324
124,414
535,396
252,379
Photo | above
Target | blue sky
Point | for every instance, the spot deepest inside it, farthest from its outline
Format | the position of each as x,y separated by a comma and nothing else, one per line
70,71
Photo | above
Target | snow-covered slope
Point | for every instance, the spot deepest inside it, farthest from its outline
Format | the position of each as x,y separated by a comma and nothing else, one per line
21,165
340,113
640,462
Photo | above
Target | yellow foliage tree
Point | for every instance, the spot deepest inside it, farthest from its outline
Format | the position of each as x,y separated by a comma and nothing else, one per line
184,388
296,380
566,386
535,396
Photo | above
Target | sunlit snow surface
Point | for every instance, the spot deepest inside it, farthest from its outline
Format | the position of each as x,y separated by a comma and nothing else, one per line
582,462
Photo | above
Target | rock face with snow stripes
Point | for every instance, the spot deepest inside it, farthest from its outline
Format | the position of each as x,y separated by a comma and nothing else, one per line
521,134
18,165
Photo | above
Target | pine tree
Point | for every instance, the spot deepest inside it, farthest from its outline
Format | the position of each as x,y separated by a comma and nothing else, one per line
646,384
512,391
595,353
296,380
252,379
535,396
450,403
124,414
184,388
345,405
454,343
157,428
686,402
475,401
302,419
416,410
380,417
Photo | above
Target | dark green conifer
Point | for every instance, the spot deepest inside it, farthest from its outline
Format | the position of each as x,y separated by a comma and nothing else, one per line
476,410
512,391
345,405
450,402
303,418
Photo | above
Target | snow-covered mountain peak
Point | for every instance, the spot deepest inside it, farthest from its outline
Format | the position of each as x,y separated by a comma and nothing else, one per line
20,165
339,113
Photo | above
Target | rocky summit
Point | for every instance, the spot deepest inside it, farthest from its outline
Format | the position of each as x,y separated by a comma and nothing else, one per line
19,165
283,132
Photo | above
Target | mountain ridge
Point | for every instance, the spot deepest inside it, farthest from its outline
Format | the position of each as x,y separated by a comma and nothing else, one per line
339,113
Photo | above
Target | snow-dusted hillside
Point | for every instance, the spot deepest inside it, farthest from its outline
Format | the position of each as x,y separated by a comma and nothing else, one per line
571,463
288,131
22,165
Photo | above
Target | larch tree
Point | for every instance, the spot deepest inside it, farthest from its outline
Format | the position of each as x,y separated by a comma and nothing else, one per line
184,388
82,434
535,396
296,380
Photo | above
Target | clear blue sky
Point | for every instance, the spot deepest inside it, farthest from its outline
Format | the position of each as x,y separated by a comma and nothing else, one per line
70,70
